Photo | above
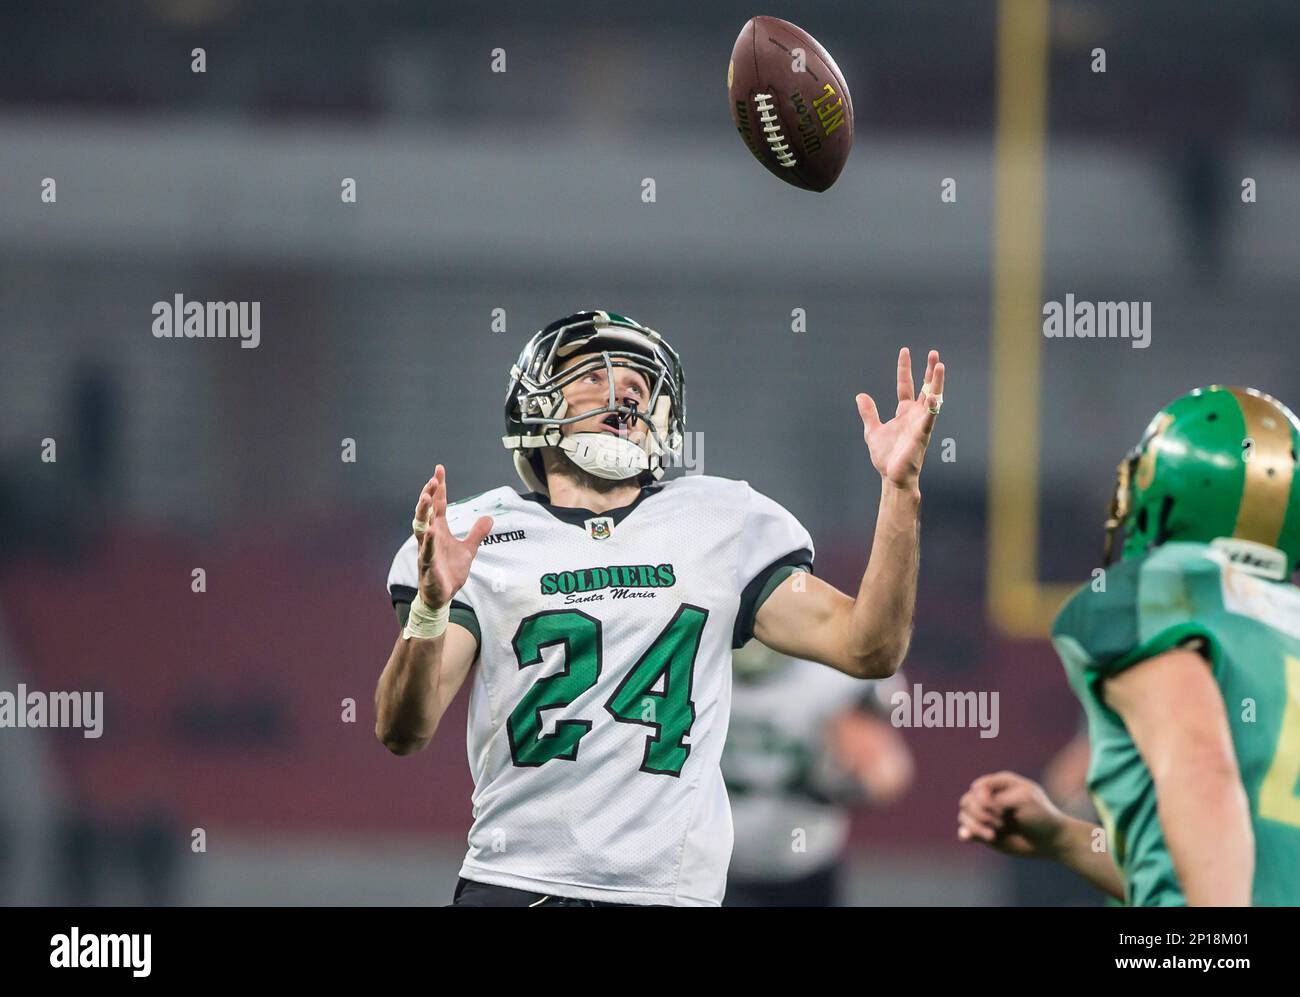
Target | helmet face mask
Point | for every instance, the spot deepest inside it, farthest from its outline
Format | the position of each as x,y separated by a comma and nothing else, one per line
536,410
1217,466
1121,497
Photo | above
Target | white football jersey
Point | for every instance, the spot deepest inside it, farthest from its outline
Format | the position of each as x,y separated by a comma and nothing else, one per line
600,698
790,820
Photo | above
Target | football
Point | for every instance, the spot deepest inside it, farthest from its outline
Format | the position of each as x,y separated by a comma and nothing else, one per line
789,102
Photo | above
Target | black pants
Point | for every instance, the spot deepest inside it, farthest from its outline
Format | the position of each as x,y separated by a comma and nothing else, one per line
472,894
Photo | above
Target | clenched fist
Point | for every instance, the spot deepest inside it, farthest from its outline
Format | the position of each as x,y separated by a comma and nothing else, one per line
1012,814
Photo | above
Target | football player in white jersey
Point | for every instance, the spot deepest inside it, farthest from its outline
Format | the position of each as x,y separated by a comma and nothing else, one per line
806,745
595,616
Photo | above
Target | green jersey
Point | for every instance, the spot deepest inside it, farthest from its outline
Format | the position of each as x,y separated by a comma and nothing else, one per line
1248,629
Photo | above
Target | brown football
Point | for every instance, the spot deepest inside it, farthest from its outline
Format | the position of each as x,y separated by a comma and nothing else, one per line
790,103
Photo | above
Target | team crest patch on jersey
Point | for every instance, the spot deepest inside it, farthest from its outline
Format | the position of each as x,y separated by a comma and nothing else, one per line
601,527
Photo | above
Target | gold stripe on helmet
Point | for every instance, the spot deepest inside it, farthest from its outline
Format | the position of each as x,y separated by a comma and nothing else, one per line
1269,469
1145,472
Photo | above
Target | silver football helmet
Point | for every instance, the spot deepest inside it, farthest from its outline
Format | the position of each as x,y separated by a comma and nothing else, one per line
536,408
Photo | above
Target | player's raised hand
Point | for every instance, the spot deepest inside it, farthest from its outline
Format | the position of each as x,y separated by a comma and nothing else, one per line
444,561
897,447
1013,814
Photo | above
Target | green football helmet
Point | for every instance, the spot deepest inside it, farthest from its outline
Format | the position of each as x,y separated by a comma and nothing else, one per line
1216,466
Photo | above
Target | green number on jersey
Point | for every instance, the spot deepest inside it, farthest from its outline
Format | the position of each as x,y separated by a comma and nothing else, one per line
669,713
1279,793
580,635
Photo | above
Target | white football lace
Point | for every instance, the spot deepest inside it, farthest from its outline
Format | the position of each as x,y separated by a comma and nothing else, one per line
772,128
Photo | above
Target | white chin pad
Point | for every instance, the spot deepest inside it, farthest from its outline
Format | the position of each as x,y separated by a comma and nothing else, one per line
606,455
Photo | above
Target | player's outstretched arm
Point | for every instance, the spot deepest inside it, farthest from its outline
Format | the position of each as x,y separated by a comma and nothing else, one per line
431,657
868,636
1012,814
875,753
1175,714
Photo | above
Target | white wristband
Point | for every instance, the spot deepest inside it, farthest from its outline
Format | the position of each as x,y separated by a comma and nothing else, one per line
425,622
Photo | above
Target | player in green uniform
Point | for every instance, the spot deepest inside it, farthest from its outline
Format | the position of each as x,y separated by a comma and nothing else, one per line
1186,657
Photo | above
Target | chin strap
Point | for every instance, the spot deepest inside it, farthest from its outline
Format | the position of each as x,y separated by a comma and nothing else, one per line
602,454
605,455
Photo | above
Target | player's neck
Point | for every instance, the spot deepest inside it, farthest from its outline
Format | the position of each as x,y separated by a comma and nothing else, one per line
574,488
